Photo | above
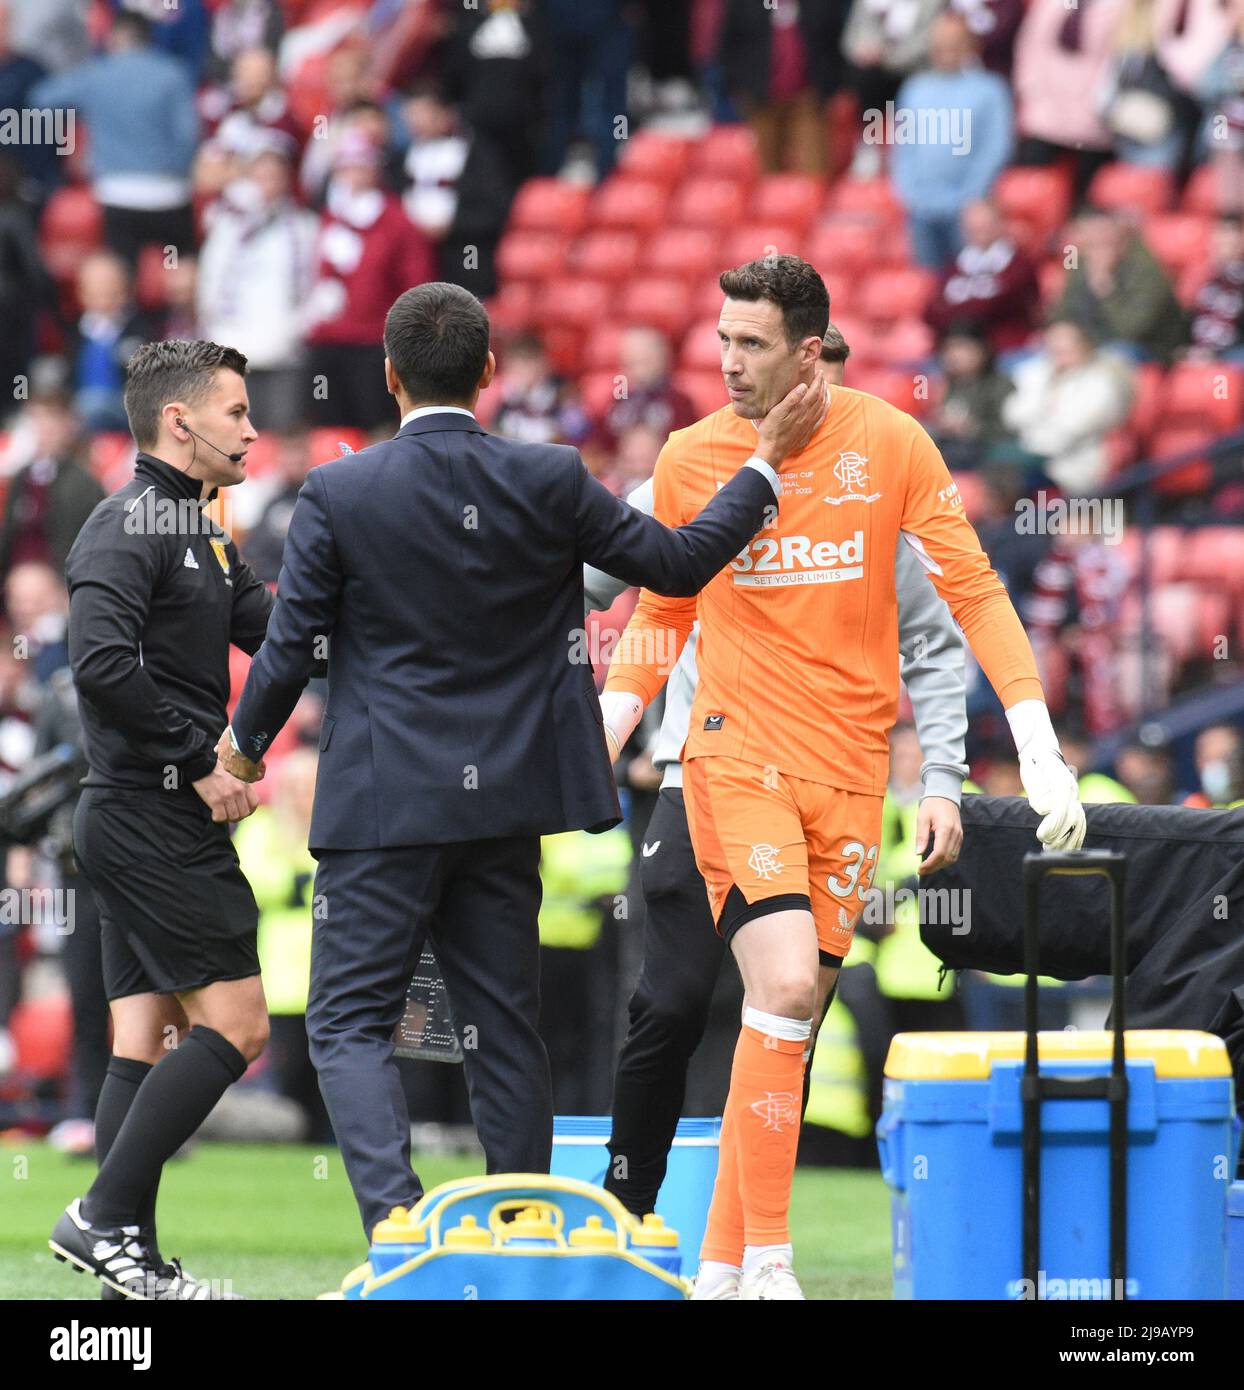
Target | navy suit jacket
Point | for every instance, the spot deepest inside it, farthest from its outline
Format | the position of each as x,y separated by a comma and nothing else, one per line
446,567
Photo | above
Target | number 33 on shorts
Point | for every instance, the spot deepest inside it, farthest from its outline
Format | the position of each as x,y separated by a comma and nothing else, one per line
837,905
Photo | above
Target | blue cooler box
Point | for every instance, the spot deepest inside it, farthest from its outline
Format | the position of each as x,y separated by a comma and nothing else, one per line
1235,1241
950,1143
579,1151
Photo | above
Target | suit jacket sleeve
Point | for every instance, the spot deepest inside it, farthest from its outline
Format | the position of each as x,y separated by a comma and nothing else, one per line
298,630
601,590
622,541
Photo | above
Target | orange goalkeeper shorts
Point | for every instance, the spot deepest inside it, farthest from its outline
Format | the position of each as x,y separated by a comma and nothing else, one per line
765,842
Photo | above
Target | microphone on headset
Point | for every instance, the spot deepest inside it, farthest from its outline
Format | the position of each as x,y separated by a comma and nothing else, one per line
233,458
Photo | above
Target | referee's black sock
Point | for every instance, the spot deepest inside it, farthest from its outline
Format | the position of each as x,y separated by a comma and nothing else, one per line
121,1082
173,1101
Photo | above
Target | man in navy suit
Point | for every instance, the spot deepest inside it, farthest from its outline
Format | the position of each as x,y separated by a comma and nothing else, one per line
446,566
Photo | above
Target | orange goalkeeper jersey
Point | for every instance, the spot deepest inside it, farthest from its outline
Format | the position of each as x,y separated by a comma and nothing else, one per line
798,644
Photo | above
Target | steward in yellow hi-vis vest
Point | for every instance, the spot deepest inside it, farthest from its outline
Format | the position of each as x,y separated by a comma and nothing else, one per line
577,870
272,849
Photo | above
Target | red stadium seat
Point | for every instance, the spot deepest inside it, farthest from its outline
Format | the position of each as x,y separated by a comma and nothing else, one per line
727,152
1051,279
651,154
575,303
872,198
706,390
607,254
112,459
596,391
753,242
793,200
1166,545
1195,475
889,295
908,342
1202,193
602,350
1214,555
512,309
1189,282
150,280
848,246
526,255
1039,199
1174,614
707,300
72,224
701,347
843,291
714,203
1131,187
1204,395
1178,239
563,345
897,387
263,455
860,338
1147,391
663,303
1188,619
691,252
550,205
42,1031
633,204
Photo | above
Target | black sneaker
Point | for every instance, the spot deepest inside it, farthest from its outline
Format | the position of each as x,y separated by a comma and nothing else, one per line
116,1256
178,1286
123,1262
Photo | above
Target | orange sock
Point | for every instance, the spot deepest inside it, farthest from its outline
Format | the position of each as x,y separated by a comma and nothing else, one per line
723,1235
766,1088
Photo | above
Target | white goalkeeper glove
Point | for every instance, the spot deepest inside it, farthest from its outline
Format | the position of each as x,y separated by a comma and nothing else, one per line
621,711
1049,783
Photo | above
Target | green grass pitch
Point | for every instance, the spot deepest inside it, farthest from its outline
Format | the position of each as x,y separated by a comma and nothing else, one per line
279,1221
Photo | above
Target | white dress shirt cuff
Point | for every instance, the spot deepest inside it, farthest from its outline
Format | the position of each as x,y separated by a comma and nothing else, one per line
769,472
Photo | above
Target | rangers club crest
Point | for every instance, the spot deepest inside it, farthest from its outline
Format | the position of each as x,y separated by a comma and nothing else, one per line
778,1110
764,862
852,478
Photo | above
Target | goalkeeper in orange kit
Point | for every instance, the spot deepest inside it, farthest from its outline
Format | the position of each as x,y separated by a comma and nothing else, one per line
786,754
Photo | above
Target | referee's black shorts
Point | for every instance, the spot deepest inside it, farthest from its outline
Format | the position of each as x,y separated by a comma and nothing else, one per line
176,912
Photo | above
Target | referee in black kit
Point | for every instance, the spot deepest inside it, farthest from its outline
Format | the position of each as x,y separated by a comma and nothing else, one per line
157,594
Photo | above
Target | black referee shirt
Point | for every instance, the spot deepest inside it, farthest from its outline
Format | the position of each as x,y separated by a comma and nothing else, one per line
157,592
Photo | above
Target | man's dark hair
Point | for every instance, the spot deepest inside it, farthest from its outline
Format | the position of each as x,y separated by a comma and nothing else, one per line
790,283
436,336
176,370
834,347
133,26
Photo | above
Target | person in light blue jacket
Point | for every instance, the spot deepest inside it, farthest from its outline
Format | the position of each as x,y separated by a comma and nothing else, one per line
951,131
138,109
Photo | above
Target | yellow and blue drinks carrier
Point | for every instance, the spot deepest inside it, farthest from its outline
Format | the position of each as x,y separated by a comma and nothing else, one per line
519,1236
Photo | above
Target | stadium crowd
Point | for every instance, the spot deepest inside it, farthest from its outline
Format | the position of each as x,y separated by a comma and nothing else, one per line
1031,221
